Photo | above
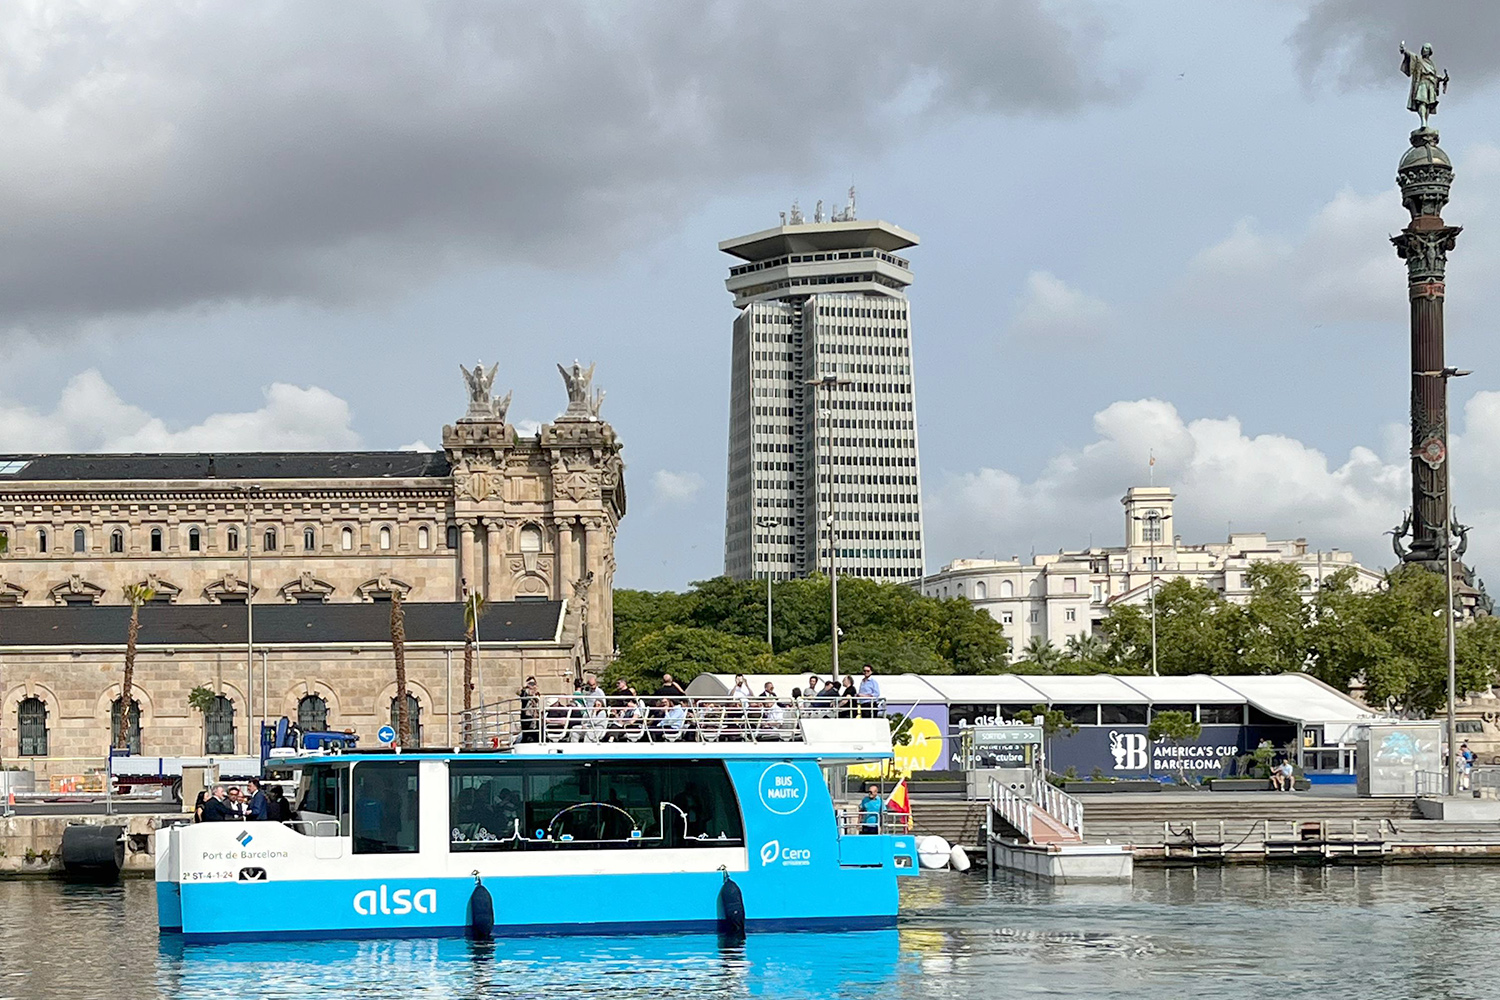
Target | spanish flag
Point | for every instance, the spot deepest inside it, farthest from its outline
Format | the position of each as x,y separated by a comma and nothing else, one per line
899,804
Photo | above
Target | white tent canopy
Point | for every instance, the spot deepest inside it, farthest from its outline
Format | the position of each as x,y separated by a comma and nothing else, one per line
1292,697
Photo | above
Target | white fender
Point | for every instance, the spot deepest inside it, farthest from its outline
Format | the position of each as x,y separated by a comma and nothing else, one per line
932,851
958,859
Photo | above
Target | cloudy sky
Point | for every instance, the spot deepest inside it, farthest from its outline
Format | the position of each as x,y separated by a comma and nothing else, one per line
1145,228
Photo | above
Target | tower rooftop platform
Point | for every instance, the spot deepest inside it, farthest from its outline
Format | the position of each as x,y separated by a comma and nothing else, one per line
819,236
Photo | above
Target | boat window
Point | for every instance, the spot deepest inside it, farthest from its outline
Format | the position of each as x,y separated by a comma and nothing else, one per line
385,807
1191,710
323,796
551,805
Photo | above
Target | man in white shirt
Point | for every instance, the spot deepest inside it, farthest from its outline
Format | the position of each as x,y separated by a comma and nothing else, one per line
869,691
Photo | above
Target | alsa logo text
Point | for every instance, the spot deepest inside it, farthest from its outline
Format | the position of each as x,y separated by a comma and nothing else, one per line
371,902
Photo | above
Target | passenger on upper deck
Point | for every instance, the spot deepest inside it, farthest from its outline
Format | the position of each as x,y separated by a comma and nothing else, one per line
531,711
848,699
869,691
741,690
673,722
215,809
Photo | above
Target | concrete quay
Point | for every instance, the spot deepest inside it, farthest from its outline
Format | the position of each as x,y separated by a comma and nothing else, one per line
1206,828
32,845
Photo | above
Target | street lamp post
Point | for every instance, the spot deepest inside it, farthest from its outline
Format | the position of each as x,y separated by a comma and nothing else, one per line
829,383
1445,374
1153,519
768,523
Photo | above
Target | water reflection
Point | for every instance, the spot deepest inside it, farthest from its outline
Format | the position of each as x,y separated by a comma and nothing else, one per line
862,964
1230,932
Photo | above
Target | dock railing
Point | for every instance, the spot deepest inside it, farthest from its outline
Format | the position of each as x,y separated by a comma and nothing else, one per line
1019,809
601,718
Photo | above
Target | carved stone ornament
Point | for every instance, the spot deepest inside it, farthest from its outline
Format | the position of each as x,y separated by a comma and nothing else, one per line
1431,452
576,486
478,383
481,486
1426,251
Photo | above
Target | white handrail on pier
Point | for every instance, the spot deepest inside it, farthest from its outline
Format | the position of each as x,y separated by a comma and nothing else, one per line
1019,809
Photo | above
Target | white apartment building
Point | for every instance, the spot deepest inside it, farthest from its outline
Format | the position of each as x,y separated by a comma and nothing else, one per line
1062,594
817,299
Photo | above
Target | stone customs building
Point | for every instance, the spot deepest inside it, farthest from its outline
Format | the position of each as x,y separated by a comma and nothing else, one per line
822,300
319,543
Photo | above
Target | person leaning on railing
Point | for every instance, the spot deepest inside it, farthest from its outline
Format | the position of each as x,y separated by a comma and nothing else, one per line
531,711
869,692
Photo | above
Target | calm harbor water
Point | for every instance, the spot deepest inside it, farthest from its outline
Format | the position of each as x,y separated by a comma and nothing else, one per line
1243,933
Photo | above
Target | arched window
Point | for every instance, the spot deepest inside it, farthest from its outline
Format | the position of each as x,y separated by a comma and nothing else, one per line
218,727
346,539
531,538
385,538
195,540
132,728
981,590
424,537
117,541
452,536
80,540
309,540
232,539
31,717
155,539
414,717
268,541
41,540
312,714
1007,589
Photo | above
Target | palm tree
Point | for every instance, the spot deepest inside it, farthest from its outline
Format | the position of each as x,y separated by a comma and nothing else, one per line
1086,648
1041,652
398,649
473,608
136,594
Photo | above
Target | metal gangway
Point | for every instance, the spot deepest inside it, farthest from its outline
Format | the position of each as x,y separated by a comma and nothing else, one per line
600,718
1042,814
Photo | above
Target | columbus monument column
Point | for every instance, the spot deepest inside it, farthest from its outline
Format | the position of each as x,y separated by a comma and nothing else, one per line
1425,175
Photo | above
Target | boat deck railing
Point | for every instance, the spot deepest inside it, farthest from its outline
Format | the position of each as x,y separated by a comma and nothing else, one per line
650,719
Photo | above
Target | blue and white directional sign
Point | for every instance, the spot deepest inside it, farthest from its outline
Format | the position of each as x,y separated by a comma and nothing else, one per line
386,734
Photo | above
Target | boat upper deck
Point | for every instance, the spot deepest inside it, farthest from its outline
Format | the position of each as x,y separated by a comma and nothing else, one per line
615,726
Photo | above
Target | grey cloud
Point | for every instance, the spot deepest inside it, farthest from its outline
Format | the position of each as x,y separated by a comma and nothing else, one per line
161,154
1357,39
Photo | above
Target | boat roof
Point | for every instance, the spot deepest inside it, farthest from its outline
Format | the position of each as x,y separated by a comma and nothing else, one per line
822,739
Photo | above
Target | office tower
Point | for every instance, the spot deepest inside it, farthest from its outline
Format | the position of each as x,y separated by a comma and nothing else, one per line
822,298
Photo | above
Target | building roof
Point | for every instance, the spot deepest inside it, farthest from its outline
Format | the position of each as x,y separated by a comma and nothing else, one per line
815,236
232,466
1084,689
1295,697
528,622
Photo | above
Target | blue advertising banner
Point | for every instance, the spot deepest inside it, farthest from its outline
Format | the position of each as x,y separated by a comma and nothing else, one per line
1127,751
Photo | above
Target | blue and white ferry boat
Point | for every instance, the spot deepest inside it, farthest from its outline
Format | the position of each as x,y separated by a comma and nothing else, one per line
578,819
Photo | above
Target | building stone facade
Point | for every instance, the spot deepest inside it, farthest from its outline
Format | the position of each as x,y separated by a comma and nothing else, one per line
1063,594
525,521
822,301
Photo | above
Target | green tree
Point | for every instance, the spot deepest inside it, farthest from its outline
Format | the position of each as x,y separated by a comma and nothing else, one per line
1174,727
201,698
1039,656
1087,649
1275,620
136,594
685,652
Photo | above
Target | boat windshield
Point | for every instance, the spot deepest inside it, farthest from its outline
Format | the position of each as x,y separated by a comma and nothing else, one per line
516,805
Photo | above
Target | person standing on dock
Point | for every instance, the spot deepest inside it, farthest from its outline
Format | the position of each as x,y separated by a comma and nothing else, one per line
214,808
